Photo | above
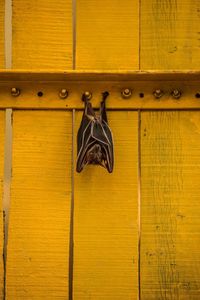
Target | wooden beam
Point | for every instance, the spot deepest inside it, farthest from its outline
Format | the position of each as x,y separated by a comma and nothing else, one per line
141,84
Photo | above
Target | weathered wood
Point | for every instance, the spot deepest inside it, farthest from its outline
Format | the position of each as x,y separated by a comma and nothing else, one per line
107,34
46,75
38,246
170,156
42,34
105,219
169,34
141,84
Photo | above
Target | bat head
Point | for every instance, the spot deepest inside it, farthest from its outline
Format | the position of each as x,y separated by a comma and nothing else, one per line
94,155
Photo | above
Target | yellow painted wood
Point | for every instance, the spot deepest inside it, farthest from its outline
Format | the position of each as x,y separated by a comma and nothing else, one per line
142,85
38,245
170,34
2,7
107,34
2,129
106,220
29,99
46,75
42,34
170,239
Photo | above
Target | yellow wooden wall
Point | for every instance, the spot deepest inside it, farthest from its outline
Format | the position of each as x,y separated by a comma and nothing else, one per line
169,34
46,29
133,234
38,244
170,239
105,220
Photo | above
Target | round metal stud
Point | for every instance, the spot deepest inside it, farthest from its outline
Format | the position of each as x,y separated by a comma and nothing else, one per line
15,92
87,95
176,94
126,93
158,93
63,94
197,95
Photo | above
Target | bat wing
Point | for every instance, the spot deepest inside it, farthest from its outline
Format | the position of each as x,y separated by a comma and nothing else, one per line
108,148
94,140
85,123
102,134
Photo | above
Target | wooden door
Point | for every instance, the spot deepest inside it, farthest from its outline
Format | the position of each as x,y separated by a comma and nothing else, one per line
133,234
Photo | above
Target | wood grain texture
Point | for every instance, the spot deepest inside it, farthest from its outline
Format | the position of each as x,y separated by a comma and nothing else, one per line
107,34
170,238
38,246
42,34
106,220
2,139
170,34
2,7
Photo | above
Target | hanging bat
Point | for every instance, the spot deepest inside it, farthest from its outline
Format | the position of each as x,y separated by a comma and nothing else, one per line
94,139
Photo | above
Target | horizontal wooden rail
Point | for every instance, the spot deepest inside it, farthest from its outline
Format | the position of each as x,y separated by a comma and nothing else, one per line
128,90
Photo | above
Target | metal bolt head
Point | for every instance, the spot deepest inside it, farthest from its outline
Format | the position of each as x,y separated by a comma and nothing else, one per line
15,92
176,94
87,95
63,94
158,93
126,93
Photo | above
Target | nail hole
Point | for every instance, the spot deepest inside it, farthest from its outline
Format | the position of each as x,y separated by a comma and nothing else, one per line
141,95
197,95
40,94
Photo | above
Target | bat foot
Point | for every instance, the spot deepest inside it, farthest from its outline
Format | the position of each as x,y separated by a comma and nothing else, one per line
105,95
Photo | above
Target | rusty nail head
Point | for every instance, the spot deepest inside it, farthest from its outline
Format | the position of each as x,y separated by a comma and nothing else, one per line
158,93
176,94
63,94
15,92
126,93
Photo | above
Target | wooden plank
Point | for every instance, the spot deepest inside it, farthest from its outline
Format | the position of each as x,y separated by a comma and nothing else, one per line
97,75
141,84
38,245
107,34
170,156
2,139
42,34
105,220
170,32
2,8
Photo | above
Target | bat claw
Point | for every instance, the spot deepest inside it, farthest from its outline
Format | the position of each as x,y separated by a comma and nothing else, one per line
105,95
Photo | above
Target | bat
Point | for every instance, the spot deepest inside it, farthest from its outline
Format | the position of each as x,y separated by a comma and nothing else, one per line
94,139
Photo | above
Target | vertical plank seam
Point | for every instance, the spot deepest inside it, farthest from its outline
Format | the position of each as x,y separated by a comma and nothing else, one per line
139,204
71,241
8,34
7,185
8,134
74,33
